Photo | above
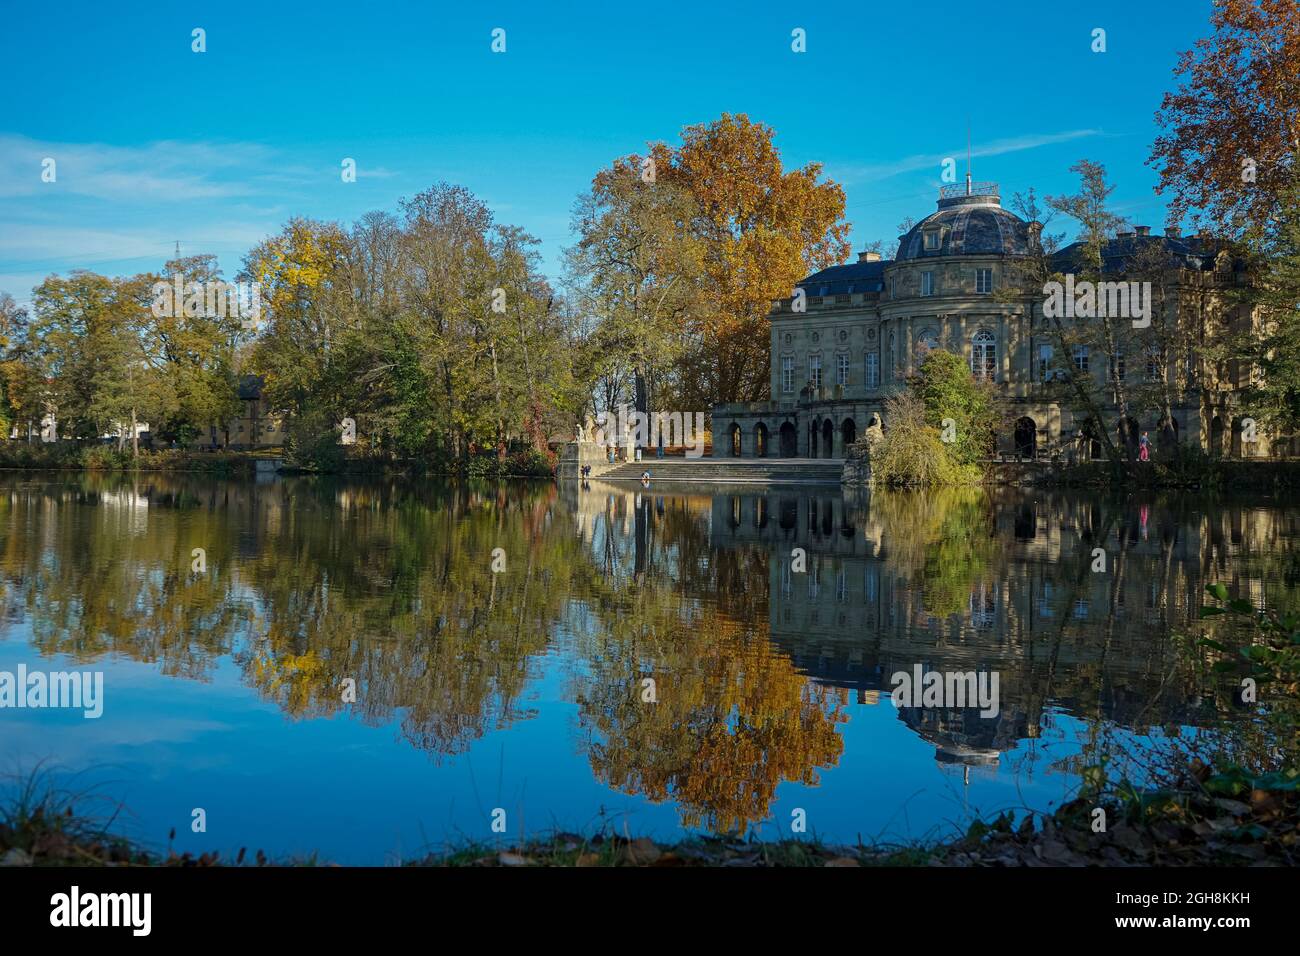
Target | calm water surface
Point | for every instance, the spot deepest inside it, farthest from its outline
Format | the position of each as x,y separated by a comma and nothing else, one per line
523,689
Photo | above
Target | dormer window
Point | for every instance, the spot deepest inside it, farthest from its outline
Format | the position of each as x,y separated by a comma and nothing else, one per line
932,240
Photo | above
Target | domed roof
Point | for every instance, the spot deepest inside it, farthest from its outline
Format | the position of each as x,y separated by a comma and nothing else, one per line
970,221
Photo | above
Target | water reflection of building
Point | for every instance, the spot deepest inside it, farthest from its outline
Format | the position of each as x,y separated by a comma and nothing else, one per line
1030,605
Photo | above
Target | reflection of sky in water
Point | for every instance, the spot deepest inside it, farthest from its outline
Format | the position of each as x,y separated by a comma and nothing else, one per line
356,793
360,792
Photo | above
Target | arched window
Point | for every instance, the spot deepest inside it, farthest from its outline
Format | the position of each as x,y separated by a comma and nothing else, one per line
984,355
926,341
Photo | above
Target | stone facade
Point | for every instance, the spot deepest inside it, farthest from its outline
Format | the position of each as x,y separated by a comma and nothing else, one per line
257,426
857,332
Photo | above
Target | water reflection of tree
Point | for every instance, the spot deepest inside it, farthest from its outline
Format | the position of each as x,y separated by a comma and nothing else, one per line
733,718
942,541
308,583
312,582
96,577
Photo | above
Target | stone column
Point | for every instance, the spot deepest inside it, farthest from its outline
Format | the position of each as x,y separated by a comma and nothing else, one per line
908,338
1004,349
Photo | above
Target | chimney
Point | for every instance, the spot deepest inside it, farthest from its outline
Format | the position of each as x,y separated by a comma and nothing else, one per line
1174,232
1143,230
868,256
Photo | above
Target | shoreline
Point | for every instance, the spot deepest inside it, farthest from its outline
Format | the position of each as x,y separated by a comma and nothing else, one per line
1228,820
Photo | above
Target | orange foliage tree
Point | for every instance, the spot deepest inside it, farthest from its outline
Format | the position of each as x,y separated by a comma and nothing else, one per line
763,229
1231,131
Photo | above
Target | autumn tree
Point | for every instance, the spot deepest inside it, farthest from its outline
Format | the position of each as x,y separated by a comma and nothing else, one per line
1227,157
299,272
14,399
762,229
634,272
1231,130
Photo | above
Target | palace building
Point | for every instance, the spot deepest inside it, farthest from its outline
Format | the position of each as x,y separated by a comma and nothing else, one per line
862,328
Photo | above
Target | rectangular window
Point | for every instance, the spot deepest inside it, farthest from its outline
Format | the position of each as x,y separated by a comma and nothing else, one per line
815,370
931,241
893,287
927,283
873,369
842,369
1081,358
787,374
1117,367
1154,367
1045,363
983,281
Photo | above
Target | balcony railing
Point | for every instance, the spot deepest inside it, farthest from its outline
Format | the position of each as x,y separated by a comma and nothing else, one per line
958,190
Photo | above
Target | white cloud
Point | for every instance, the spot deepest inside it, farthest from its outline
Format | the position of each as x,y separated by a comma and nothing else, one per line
163,171
997,147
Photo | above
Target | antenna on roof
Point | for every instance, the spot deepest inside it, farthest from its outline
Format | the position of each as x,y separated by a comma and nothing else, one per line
968,156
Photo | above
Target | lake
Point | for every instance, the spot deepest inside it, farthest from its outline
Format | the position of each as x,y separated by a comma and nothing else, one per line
368,669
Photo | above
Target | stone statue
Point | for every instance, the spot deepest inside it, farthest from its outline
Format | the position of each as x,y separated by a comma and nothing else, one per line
857,462
874,433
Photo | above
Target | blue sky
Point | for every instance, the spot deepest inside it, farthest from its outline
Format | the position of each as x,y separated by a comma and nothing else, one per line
155,143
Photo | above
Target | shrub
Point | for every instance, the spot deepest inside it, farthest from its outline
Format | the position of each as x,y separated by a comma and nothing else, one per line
947,389
912,453
531,463
71,455
312,444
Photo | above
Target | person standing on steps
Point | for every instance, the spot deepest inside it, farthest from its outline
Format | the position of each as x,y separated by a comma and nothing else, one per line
1144,448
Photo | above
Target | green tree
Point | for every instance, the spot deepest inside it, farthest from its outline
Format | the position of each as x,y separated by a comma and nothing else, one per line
1274,395
634,273
951,394
87,345
192,354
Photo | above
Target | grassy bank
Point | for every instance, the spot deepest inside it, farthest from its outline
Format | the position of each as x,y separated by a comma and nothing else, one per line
1189,471
1222,818
69,456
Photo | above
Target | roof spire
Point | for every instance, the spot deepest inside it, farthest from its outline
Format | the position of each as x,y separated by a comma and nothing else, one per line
968,156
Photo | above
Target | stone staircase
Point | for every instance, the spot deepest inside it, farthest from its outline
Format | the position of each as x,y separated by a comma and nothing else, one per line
770,471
